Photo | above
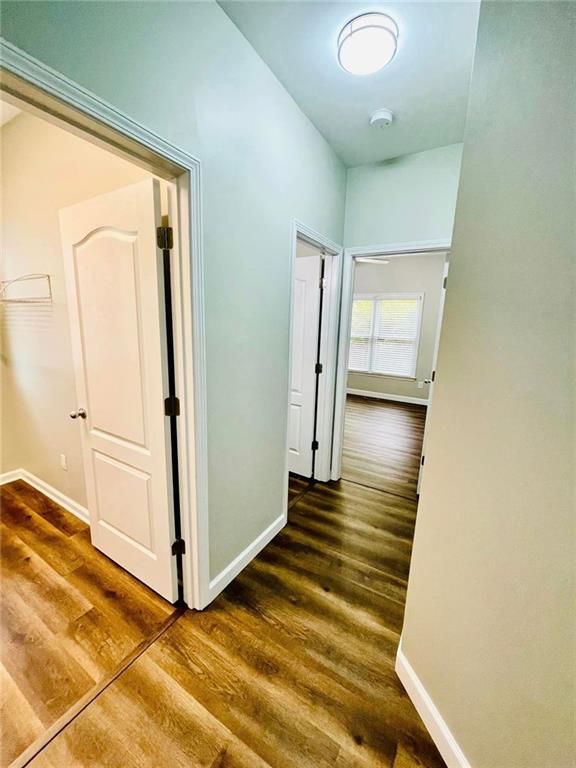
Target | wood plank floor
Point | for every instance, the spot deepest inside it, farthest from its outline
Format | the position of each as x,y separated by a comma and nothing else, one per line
297,487
382,444
68,615
291,667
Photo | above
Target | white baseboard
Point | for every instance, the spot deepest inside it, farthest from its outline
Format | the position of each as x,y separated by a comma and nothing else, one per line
48,490
382,396
433,720
9,477
220,582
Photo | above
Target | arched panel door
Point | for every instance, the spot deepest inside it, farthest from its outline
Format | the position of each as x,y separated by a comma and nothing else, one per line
115,295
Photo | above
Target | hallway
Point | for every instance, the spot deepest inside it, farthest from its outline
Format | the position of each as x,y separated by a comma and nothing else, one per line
346,202
293,665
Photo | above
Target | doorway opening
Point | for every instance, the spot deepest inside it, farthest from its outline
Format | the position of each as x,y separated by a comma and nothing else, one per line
62,104
392,306
94,394
316,264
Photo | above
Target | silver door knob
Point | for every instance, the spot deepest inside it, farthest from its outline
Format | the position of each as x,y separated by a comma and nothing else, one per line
80,413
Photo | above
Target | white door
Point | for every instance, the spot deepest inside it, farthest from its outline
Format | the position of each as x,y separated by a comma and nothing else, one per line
305,322
116,304
432,378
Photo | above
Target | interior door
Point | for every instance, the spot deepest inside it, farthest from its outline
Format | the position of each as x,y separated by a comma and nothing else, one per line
432,378
116,305
305,324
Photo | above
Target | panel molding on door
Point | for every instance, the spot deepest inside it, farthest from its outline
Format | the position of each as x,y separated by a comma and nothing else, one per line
117,323
305,324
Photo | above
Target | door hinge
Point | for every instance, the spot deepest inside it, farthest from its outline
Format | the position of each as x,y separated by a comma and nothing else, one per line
179,547
318,368
172,406
165,238
445,283
322,283
314,445
433,377
422,461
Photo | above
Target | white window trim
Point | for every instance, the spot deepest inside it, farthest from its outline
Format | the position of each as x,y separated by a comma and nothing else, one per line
387,296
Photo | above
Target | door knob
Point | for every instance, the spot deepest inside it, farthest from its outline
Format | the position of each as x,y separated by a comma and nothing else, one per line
79,413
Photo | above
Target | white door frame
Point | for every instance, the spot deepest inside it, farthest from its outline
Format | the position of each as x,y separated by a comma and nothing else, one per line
328,344
388,251
432,384
57,98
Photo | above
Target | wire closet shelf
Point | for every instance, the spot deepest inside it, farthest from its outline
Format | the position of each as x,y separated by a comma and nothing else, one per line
14,291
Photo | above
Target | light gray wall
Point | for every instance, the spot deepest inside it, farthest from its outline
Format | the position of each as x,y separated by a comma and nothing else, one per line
185,70
410,198
408,274
490,620
44,168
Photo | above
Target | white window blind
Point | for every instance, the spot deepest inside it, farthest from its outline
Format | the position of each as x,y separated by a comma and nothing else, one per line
385,333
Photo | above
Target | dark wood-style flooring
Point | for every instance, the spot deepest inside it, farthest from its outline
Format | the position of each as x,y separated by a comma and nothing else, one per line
69,615
382,444
291,667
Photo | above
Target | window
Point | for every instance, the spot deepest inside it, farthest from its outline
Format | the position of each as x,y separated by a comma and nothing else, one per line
385,333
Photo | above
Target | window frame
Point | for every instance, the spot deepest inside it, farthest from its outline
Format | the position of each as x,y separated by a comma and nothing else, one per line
375,297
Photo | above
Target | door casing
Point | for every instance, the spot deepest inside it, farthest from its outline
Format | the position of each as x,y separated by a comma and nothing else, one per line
433,373
31,84
328,345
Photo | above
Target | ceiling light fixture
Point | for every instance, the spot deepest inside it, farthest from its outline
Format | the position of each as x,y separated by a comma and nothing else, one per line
367,43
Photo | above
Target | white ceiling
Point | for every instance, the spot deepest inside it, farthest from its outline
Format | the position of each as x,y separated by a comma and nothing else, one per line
426,84
7,112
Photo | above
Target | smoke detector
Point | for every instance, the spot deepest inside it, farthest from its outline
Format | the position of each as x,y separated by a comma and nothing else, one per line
382,118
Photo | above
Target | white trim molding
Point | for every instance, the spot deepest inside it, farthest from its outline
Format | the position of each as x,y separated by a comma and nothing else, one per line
9,477
221,581
383,396
397,250
431,717
41,75
47,490
389,251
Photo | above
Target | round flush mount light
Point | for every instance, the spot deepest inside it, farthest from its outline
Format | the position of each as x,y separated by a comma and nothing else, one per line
367,43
